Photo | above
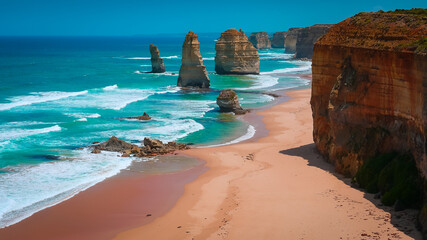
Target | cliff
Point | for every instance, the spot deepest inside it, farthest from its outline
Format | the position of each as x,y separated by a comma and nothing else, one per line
156,61
192,73
278,40
235,54
260,40
291,40
369,102
306,37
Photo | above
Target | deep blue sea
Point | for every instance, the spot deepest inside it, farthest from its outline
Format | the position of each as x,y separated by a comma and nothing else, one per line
59,94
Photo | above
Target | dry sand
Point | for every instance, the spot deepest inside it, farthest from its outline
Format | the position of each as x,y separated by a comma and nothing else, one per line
276,187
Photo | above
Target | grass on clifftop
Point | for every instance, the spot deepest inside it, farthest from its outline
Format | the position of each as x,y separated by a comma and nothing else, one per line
417,11
395,176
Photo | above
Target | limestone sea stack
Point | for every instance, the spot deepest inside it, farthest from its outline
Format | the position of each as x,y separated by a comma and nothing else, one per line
278,40
260,40
235,54
369,103
229,102
192,73
156,61
306,38
291,40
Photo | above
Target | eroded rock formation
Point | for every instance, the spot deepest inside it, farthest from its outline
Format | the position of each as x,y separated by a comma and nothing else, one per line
260,40
152,147
192,73
306,37
291,40
143,117
157,63
229,102
278,40
235,54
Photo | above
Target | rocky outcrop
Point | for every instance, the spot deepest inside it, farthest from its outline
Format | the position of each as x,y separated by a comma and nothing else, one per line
291,40
369,98
235,54
192,73
306,37
143,117
152,147
260,40
156,61
229,102
278,40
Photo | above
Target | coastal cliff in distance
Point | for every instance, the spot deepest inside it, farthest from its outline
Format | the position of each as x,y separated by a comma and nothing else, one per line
260,40
192,73
291,40
235,54
278,40
369,103
306,37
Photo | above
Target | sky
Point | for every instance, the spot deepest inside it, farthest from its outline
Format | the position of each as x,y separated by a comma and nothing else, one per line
130,17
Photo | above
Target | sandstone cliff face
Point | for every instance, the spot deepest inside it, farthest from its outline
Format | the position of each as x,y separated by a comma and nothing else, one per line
260,40
369,90
235,54
156,61
306,38
278,40
229,102
192,73
291,40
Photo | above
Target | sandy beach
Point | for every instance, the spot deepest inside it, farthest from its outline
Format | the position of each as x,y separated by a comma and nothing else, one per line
276,187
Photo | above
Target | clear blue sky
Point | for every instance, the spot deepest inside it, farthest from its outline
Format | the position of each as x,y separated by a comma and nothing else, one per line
129,17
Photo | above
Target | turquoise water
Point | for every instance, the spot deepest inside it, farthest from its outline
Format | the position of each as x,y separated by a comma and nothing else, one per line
58,95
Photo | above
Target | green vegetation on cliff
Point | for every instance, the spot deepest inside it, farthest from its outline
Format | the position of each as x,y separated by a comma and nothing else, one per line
395,176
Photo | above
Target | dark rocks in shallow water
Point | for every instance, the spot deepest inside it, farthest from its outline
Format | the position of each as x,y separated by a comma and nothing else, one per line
114,145
152,147
229,102
143,117
157,64
192,73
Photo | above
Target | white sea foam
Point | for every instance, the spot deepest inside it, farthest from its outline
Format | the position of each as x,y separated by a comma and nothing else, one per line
38,97
274,56
304,66
259,99
95,115
209,58
26,189
16,133
82,120
83,115
261,82
249,134
189,108
148,58
109,88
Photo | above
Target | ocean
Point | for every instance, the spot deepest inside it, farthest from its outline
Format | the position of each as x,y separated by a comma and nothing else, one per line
60,94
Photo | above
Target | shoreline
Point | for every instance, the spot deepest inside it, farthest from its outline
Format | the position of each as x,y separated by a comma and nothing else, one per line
275,187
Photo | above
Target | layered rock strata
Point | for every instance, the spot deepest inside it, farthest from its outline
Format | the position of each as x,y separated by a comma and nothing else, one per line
192,73
278,40
306,37
291,40
152,147
260,40
235,54
157,63
229,102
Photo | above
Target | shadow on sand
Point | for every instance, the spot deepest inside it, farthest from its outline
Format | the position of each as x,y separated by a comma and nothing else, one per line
405,221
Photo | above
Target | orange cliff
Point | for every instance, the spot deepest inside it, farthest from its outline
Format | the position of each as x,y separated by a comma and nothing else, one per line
369,90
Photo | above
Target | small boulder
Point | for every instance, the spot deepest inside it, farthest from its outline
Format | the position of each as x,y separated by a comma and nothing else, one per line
152,143
229,102
143,117
96,151
114,145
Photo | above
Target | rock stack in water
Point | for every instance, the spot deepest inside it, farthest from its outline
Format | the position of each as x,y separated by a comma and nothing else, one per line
291,40
260,40
235,54
192,73
278,40
307,37
229,102
156,61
